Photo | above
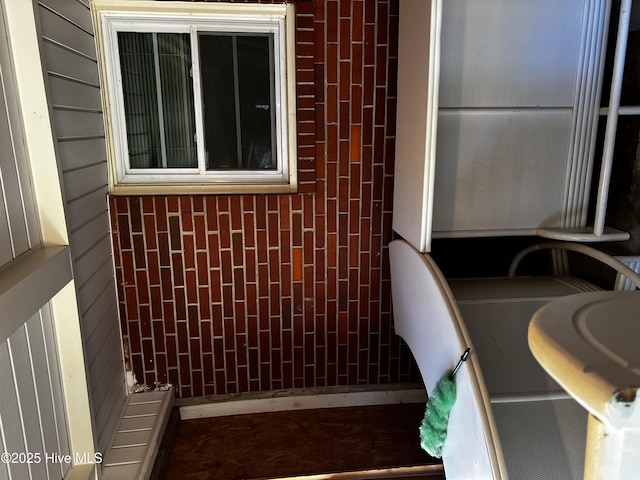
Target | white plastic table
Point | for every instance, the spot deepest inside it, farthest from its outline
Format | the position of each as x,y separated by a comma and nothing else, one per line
590,344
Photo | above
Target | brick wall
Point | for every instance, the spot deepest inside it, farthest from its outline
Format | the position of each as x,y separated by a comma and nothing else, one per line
223,294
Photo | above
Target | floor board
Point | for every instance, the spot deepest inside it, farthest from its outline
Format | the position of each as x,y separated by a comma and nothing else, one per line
302,443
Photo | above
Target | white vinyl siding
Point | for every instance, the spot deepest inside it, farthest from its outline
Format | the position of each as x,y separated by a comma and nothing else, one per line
32,413
19,229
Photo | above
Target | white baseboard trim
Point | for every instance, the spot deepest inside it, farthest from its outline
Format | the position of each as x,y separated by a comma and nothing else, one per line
418,471
299,399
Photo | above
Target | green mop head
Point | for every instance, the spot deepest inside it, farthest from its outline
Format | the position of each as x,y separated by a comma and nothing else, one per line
433,429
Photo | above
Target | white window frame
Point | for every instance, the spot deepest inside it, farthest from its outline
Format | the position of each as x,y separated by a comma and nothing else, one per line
113,16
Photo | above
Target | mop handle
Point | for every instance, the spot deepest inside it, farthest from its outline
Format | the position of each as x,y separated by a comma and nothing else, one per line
463,358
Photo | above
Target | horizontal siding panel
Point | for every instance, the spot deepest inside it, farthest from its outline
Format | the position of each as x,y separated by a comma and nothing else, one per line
78,124
95,311
69,63
67,93
85,267
59,30
72,10
107,396
94,270
105,376
83,181
85,208
110,417
103,328
103,357
98,282
86,237
79,153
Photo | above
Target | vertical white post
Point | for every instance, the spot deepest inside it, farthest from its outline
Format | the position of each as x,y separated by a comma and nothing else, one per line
612,118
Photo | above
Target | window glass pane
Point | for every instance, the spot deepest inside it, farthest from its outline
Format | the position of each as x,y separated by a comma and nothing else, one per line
158,99
238,96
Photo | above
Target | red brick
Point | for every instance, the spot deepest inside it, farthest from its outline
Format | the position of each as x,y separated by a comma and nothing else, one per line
225,229
196,360
217,321
354,216
273,230
238,248
357,21
202,268
318,10
227,301
214,250
150,232
168,317
285,250
250,265
383,13
249,230
156,302
178,269
188,251
131,303
135,214
345,37
297,264
331,13
173,204
223,204
186,213
180,304
182,337
238,280
161,213
200,232
145,321
261,213
236,213
204,303
274,263
163,249
142,287
175,233
211,210
226,266
191,285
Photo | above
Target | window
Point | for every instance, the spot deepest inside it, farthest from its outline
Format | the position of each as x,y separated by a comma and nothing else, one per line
200,97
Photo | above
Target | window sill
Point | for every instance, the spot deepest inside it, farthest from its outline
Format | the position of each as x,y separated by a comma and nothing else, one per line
201,189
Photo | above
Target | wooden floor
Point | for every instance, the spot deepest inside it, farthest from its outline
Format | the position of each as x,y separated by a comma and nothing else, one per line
337,443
